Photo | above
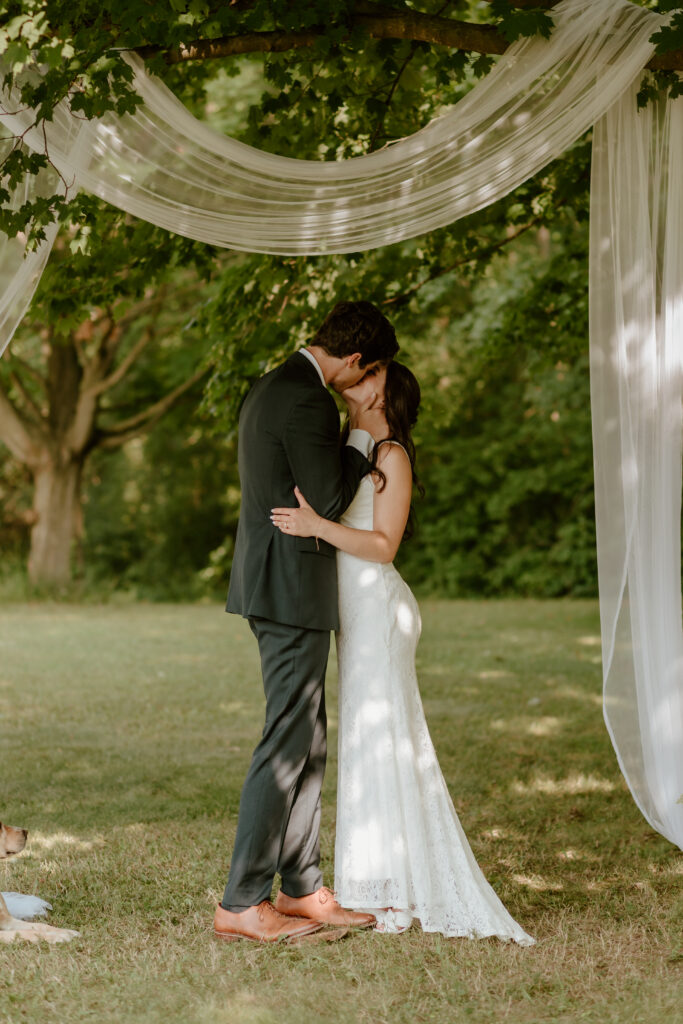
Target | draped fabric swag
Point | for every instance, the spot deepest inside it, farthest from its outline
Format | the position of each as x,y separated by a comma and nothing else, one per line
164,166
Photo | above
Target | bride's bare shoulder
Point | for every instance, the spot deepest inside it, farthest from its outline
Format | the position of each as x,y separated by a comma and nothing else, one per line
391,450
393,460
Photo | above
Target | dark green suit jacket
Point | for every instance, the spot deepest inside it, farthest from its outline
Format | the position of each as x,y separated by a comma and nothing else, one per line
289,434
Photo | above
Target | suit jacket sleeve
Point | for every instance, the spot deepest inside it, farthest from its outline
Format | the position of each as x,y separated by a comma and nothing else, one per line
326,475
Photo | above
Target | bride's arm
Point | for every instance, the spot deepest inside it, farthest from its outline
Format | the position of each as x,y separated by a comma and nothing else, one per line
390,514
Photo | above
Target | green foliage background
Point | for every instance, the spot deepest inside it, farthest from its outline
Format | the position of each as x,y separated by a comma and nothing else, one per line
503,439
504,442
491,312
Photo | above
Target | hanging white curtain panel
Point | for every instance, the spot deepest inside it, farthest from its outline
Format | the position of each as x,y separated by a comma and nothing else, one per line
163,165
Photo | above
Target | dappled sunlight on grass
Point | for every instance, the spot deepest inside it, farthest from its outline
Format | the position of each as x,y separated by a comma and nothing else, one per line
233,707
57,841
537,883
129,782
506,838
245,1007
572,693
545,725
574,855
569,786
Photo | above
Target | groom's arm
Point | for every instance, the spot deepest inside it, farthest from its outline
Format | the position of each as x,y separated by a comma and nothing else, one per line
327,475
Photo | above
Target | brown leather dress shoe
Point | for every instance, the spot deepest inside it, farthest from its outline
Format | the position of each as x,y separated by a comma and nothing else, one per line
262,923
321,906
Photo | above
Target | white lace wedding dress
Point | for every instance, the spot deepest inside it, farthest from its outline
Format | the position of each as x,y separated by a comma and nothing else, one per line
399,842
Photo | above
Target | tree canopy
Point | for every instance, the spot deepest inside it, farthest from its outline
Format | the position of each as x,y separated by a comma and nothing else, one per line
490,311
77,48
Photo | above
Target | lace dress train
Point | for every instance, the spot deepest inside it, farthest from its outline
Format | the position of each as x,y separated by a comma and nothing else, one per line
399,842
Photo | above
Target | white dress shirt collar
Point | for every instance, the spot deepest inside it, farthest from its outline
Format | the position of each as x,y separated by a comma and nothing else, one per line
311,358
357,438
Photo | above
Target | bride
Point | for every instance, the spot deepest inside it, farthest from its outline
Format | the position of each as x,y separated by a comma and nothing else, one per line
400,851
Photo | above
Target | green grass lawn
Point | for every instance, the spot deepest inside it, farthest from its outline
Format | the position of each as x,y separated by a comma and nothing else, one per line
125,735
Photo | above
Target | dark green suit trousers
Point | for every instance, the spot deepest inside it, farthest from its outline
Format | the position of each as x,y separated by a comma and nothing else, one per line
287,588
279,820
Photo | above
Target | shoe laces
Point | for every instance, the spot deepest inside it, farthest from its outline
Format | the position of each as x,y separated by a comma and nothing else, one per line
267,907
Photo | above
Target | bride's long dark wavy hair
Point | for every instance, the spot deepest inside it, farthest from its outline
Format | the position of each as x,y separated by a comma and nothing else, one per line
401,406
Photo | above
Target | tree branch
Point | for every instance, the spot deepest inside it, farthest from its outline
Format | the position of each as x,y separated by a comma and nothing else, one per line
28,398
15,433
30,370
426,28
489,250
115,436
99,387
522,4
390,95
380,23
109,341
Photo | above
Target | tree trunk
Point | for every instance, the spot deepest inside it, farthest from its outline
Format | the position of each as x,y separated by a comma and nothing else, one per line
56,505
55,442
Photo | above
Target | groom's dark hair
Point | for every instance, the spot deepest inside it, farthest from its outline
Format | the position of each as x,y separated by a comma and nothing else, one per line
357,327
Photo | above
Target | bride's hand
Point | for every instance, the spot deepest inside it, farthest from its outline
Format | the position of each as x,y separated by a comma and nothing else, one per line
297,522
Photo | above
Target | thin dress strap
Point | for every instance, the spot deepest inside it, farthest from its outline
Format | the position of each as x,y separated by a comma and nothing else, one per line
388,440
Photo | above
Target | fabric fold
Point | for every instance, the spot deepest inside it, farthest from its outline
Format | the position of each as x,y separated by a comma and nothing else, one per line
636,327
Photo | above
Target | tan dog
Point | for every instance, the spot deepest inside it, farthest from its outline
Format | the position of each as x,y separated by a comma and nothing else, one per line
13,840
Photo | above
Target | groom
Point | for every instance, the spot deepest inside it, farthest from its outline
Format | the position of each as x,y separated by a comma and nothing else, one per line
287,588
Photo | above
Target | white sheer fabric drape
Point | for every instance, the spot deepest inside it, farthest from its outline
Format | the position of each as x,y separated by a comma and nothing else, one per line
21,270
164,166
636,329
